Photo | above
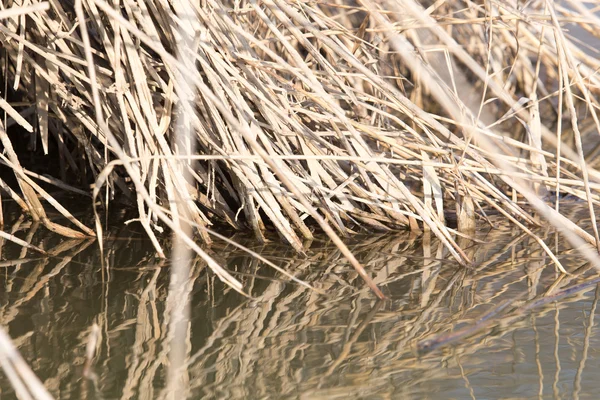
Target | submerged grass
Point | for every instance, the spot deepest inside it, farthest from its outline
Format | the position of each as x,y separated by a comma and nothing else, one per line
341,115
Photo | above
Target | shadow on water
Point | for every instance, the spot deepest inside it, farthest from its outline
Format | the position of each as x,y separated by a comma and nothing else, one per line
510,326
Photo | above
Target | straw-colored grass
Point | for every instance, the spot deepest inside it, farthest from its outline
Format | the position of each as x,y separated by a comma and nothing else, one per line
342,116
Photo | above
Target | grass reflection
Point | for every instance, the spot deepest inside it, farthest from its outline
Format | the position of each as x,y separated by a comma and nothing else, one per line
444,328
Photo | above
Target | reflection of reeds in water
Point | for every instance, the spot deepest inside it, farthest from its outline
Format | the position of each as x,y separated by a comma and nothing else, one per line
288,340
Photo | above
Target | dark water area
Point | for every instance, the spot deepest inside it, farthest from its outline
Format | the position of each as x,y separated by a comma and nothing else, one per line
510,326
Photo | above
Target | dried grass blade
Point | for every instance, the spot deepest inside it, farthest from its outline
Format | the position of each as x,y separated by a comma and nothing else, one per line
25,382
23,10
14,114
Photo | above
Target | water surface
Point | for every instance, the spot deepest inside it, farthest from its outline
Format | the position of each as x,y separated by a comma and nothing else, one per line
509,327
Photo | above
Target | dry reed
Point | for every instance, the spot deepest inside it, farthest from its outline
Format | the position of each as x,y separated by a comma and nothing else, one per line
367,115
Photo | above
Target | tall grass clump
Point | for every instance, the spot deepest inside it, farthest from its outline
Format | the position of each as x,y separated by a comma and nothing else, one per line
337,116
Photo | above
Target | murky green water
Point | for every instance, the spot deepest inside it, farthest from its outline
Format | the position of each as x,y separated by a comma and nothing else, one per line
510,327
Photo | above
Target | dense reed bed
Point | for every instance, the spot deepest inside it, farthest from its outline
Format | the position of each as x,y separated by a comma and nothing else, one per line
284,119
339,116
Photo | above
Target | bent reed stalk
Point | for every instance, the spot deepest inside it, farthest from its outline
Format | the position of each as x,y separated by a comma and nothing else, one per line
366,115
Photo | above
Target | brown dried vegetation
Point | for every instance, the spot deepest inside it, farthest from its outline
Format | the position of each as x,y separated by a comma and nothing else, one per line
348,116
